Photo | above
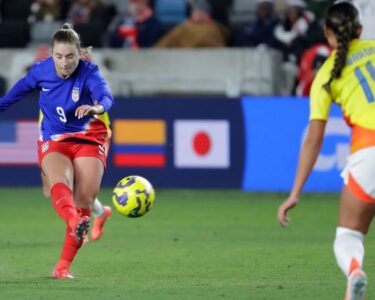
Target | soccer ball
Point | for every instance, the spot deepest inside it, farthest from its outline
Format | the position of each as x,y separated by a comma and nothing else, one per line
133,196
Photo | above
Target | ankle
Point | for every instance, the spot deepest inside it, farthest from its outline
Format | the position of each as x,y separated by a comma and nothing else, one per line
62,263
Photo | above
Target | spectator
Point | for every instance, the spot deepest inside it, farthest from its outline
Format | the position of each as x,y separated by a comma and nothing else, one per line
91,19
140,28
260,31
311,61
219,10
200,30
297,31
319,7
45,10
83,12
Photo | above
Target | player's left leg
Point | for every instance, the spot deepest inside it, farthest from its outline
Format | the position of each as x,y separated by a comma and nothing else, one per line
355,217
101,213
88,172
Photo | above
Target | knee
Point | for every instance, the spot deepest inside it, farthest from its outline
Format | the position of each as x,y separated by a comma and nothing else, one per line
57,178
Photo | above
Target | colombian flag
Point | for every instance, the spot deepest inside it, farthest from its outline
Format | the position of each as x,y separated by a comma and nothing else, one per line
139,143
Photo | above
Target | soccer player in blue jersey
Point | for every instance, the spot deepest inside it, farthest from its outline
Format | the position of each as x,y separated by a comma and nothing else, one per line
71,145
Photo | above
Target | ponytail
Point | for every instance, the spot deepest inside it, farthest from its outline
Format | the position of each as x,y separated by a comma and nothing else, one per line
343,20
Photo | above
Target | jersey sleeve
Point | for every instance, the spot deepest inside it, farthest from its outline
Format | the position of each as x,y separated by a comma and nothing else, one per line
99,89
320,98
21,89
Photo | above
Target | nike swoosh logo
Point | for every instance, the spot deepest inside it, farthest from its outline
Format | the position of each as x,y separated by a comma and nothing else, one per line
45,90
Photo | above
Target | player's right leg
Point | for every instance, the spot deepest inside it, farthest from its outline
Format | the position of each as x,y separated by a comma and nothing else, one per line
355,217
59,172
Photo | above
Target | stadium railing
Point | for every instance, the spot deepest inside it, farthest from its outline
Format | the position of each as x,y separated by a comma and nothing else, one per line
229,72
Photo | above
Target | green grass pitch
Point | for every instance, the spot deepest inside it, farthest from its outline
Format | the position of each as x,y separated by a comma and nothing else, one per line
192,245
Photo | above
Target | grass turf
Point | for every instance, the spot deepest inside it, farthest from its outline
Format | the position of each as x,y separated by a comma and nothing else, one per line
192,245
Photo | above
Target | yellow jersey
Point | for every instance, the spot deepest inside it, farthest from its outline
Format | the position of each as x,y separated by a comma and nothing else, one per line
354,91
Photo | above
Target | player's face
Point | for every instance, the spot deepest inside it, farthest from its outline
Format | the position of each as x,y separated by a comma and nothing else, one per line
66,58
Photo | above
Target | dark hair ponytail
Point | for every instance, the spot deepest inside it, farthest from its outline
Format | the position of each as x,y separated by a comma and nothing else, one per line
343,20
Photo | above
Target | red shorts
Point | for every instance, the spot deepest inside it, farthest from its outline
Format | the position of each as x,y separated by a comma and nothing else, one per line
73,149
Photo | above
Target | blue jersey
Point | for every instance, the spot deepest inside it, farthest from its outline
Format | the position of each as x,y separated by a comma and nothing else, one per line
59,98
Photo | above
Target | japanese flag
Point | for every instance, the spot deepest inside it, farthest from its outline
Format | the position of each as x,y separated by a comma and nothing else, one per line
201,144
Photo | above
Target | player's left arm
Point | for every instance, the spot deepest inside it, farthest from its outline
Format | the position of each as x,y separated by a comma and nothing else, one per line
100,91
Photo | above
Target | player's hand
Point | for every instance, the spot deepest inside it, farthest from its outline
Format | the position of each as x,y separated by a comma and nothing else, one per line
287,205
87,110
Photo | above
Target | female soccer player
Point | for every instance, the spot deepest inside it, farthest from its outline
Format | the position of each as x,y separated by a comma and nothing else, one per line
348,78
101,212
71,146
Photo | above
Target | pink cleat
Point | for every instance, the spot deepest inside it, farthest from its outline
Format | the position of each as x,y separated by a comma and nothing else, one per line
97,228
357,284
61,271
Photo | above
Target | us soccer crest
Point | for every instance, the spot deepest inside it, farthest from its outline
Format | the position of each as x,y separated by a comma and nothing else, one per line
75,94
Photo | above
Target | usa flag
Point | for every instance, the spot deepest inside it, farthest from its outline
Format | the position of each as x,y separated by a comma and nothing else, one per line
18,142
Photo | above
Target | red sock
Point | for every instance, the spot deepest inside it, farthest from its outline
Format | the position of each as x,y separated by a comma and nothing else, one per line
62,201
71,246
84,212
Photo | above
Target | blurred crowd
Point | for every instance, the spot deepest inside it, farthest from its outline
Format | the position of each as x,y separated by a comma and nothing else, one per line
292,26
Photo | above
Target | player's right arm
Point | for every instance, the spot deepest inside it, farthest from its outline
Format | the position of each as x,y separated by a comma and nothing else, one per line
21,89
307,158
320,103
